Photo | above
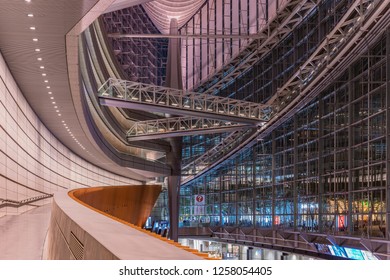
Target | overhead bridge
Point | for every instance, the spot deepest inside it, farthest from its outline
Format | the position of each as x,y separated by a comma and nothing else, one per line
145,97
180,126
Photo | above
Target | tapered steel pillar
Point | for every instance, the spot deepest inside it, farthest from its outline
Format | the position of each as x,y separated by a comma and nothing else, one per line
174,80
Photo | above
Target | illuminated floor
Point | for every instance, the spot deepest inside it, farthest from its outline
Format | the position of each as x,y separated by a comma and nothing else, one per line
22,237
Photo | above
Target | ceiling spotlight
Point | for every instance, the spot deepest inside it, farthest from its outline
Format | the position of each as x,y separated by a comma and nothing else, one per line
30,15
46,81
55,107
59,115
32,27
53,102
44,74
49,92
39,58
42,67
48,87
52,97
37,50
57,111
35,39
28,1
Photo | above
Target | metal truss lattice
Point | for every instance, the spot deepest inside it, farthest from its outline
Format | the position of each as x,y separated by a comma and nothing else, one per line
273,33
173,101
327,54
179,126
348,31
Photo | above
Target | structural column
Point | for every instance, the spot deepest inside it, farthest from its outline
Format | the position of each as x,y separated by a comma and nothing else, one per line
388,136
174,157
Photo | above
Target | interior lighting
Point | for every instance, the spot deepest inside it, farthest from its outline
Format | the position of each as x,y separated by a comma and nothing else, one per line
44,74
46,81
30,15
55,107
28,1
49,92
48,87
39,58
53,102
57,111
42,67
35,39
52,97
37,50
32,27
59,115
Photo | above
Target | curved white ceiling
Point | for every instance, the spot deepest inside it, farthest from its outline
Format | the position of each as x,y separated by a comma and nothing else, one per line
161,12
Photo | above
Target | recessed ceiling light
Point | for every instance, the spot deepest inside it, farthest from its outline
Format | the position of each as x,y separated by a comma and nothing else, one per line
46,81
44,74
48,87
49,92
55,107
42,67
53,102
35,39
28,1
39,58
57,111
62,121
32,27
52,97
37,50
30,15
59,115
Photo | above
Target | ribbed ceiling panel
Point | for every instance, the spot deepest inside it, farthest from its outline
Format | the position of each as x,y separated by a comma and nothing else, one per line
161,12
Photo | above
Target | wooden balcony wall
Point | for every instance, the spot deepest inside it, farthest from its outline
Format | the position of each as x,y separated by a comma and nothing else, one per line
132,204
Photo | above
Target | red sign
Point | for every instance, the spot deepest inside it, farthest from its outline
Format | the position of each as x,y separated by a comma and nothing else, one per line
199,199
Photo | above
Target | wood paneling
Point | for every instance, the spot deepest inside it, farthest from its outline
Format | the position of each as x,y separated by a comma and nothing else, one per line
132,204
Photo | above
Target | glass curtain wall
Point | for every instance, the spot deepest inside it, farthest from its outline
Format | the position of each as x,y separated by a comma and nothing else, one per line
324,170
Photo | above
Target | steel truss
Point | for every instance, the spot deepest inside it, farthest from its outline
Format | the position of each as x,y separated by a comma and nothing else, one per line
320,60
127,94
212,155
180,126
275,31
347,32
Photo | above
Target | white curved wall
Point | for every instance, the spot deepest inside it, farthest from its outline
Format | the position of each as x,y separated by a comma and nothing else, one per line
32,161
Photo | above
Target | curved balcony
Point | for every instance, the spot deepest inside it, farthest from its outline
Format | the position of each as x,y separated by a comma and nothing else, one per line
104,223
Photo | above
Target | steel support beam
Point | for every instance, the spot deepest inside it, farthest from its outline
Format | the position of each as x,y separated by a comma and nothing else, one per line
361,16
132,95
179,126
275,31
187,36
